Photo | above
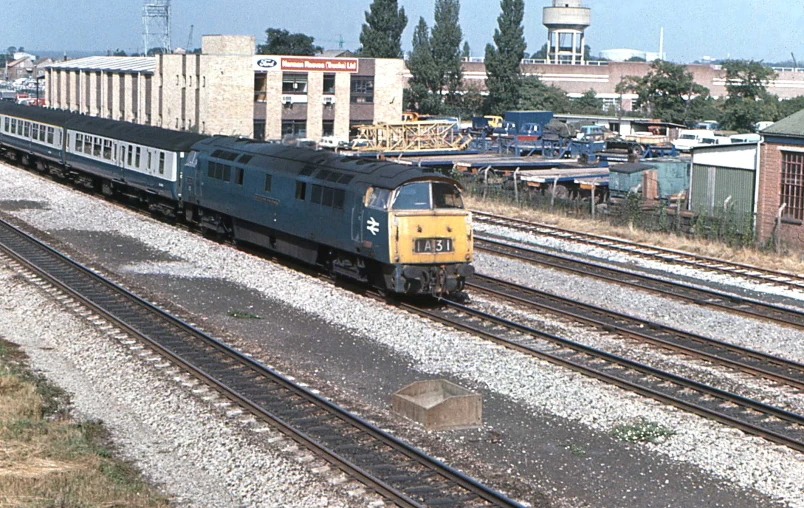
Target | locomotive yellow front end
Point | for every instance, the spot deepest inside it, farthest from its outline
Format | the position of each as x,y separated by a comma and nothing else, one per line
430,238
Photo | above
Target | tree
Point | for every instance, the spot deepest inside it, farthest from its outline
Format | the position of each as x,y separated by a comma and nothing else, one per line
381,35
749,100
535,95
588,104
11,50
504,57
282,42
466,52
541,54
445,42
664,91
789,107
422,66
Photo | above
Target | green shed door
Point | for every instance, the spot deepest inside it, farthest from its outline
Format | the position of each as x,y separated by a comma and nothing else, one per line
712,186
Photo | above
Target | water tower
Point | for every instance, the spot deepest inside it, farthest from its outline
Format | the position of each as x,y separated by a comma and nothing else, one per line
566,21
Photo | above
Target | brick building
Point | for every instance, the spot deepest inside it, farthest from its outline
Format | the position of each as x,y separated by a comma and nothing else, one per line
227,89
781,182
603,78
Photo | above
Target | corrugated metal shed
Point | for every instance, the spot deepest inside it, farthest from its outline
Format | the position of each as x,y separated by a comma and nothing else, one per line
134,64
672,176
723,179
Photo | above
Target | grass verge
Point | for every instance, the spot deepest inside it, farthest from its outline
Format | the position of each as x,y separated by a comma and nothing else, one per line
642,431
746,255
49,459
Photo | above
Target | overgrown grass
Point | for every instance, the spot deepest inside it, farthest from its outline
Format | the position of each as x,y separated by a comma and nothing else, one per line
698,243
642,431
49,459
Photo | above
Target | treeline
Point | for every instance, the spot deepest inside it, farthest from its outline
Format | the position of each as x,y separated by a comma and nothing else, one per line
667,91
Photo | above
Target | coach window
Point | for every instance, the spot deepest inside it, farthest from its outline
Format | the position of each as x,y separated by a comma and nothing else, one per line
162,163
26,129
87,144
130,155
79,142
6,124
107,149
96,147
50,135
137,157
35,131
267,183
150,156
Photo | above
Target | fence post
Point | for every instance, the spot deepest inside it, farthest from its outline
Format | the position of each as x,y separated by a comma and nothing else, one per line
777,233
593,199
553,194
726,203
486,181
516,186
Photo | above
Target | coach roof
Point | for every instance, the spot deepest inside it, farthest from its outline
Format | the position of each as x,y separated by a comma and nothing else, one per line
156,137
305,162
42,115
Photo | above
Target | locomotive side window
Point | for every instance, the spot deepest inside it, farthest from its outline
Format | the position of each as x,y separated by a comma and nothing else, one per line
267,183
301,190
239,176
378,198
413,196
446,196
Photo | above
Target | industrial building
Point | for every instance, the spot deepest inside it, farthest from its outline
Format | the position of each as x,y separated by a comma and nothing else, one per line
780,200
228,89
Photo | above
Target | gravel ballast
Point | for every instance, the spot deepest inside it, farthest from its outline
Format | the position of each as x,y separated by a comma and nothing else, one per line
749,462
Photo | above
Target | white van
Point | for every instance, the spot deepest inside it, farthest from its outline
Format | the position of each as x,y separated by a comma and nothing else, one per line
746,138
687,139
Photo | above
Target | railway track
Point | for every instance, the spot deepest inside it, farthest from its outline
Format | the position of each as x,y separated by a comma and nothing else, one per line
772,423
708,297
394,470
729,355
753,273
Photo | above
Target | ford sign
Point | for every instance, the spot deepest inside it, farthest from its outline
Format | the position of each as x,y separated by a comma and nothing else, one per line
266,62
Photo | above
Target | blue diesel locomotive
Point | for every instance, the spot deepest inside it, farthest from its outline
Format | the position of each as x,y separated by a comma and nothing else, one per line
396,227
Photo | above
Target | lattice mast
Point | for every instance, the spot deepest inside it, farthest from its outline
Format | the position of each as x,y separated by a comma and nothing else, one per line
156,26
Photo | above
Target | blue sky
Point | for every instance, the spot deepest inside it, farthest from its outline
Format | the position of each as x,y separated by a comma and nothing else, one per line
752,29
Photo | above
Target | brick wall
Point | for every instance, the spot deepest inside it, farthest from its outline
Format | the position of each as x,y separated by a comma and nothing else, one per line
769,198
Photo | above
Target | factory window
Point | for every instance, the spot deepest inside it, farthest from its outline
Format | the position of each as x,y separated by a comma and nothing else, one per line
260,86
239,176
267,183
793,185
301,190
362,90
328,128
329,84
107,149
296,128
161,163
294,83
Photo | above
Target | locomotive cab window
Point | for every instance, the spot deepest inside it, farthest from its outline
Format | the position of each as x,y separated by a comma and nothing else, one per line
426,196
378,198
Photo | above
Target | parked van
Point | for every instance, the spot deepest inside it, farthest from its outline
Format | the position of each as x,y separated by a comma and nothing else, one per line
687,139
762,126
746,138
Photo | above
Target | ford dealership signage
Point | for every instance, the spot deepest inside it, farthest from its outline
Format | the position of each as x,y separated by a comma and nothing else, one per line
304,64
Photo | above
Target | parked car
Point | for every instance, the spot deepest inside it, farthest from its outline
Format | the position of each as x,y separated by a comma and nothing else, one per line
759,126
709,125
